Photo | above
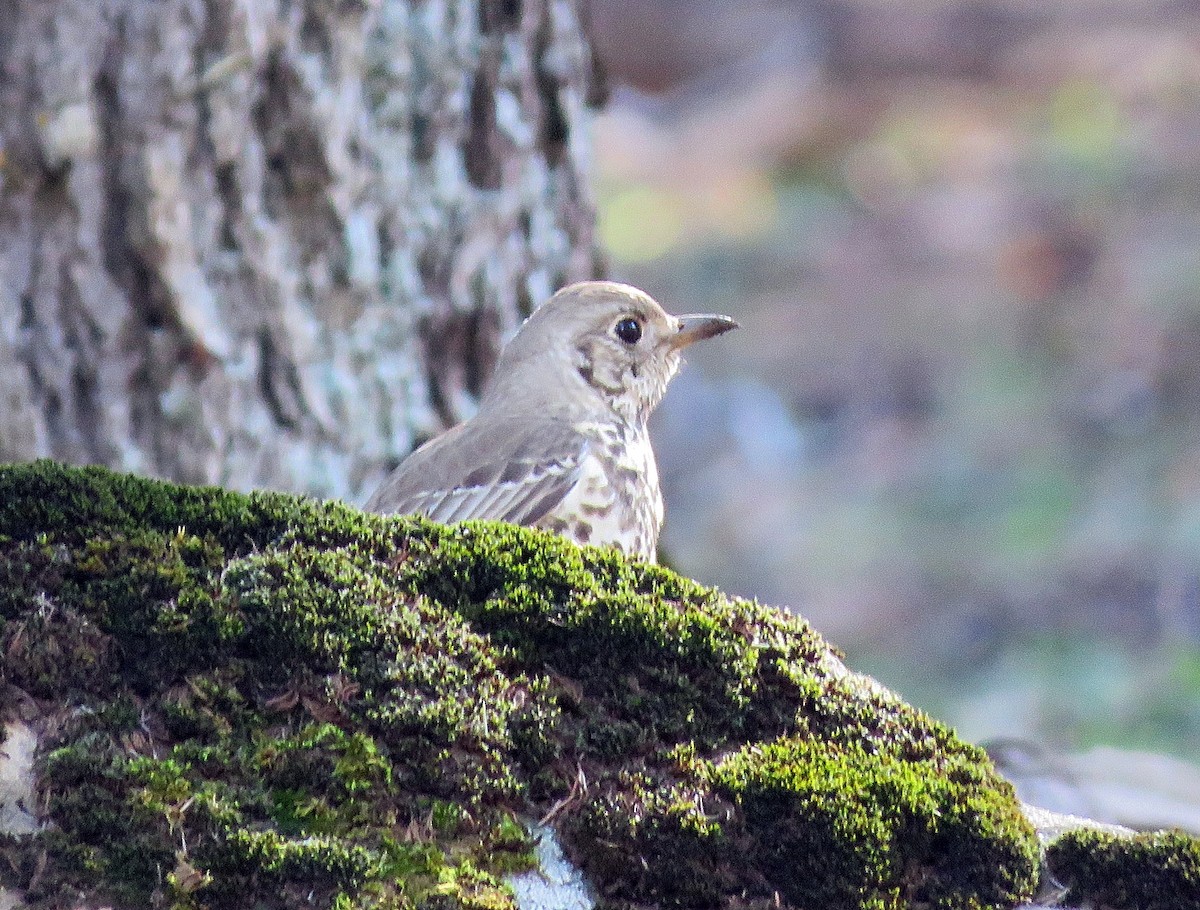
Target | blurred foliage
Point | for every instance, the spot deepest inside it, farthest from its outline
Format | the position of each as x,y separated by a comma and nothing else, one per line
963,249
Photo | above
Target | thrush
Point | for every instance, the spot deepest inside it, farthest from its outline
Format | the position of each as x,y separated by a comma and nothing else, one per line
560,438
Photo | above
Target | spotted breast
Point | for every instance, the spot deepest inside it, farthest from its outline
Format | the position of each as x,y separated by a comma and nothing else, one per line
617,499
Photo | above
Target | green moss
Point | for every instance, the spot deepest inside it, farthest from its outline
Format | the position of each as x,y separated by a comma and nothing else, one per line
273,698
817,823
1148,872
857,825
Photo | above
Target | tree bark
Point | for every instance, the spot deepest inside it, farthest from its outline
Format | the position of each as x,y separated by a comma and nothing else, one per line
271,243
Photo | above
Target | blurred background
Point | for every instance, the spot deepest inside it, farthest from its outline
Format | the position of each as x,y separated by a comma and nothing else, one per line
958,429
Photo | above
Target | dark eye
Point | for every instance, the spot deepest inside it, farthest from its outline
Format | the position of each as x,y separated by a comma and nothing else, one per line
628,330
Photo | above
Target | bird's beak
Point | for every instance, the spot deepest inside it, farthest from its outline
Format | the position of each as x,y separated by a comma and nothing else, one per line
695,327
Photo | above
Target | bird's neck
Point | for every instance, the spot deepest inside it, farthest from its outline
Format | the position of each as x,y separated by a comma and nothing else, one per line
631,390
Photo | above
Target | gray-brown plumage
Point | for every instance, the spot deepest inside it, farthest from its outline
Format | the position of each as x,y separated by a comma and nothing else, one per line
560,439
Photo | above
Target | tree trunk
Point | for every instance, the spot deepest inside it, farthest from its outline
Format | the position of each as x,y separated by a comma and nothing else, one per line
270,243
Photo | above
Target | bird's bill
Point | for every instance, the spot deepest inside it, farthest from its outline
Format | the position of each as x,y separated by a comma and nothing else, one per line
695,327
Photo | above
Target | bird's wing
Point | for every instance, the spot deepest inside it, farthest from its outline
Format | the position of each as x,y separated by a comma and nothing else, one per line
516,472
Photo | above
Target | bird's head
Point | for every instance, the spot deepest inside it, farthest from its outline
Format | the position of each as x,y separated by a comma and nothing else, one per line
601,341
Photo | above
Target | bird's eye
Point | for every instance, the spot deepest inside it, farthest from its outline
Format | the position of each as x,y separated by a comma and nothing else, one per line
628,330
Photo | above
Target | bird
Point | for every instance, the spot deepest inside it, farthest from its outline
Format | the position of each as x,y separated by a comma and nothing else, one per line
560,439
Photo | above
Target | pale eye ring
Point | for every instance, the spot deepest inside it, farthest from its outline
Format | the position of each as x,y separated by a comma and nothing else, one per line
629,330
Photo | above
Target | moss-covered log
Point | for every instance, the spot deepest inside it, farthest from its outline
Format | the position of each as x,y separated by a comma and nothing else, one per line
262,700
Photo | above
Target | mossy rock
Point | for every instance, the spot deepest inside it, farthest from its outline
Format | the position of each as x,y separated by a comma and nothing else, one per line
1159,871
265,701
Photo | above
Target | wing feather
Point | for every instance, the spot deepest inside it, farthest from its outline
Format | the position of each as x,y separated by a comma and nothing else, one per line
516,471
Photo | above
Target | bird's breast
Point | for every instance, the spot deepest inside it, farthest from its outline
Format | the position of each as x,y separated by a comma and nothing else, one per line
617,500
